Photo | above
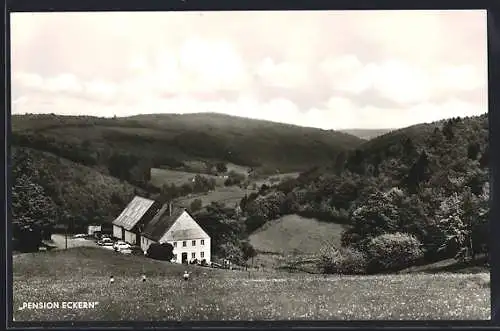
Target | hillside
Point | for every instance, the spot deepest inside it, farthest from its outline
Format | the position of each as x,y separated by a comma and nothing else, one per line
428,181
293,234
172,140
366,134
49,188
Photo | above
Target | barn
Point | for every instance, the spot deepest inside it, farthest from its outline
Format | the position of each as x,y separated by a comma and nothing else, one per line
177,227
129,224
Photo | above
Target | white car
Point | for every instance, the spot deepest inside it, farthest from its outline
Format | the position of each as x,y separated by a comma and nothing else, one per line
121,245
105,242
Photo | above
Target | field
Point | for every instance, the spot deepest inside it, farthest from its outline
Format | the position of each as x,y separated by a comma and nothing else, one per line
273,179
159,177
78,275
229,195
292,235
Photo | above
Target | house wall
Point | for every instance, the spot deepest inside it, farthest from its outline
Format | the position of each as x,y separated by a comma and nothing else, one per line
197,249
130,237
186,222
145,243
117,232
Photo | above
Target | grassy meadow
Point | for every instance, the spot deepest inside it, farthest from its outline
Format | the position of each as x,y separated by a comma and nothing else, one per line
229,195
293,233
82,274
292,238
160,177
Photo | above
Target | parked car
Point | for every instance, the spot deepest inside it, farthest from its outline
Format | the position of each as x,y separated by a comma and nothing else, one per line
125,251
105,242
80,235
121,245
216,265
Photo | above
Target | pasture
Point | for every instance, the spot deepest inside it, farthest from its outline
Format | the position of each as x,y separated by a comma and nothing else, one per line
229,195
160,177
290,238
81,274
293,233
274,179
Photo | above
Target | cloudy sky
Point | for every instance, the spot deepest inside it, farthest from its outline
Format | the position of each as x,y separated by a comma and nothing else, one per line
331,70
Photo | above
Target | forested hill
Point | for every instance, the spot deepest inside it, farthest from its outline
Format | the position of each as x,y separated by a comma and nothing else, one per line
429,181
170,140
49,191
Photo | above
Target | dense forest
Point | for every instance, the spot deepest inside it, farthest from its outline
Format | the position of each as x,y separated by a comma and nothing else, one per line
415,195
410,196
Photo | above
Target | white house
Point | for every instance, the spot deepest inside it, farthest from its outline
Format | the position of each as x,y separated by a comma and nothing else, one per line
178,228
132,220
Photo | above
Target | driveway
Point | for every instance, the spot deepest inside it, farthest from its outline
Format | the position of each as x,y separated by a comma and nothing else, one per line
60,242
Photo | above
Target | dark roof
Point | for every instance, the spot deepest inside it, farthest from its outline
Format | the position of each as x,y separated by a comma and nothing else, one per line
161,222
187,234
133,213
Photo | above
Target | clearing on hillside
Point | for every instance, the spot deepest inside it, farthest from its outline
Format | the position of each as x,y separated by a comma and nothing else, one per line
229,195
293,233
160,177
78,275
274,179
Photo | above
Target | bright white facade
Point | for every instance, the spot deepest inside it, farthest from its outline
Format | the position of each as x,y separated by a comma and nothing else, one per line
189,240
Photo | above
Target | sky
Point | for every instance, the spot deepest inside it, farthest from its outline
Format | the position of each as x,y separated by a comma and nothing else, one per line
323,69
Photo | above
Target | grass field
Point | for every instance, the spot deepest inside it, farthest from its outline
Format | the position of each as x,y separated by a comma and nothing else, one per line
229,195
290,237
293,233
273,179
159,177
78,275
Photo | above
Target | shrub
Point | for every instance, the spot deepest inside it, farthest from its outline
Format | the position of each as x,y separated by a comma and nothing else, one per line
195,205
162,252
392,252
348,261
137,251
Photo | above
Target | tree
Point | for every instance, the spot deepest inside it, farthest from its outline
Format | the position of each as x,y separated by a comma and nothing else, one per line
249,252
221,167
418,172
375,216
392,252
195,205
473,150
461,217
164,252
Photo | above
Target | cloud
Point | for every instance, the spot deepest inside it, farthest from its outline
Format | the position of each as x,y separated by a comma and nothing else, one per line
322,69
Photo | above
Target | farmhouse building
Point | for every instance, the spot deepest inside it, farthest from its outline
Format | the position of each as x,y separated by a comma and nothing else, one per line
177,227
132,220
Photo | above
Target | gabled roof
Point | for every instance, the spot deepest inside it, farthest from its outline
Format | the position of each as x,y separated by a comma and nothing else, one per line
186,234
133,213
161,222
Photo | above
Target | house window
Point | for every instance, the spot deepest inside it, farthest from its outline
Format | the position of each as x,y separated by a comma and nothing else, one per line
183,244
175,243
193,255
175,257
202,255
193,243
202,242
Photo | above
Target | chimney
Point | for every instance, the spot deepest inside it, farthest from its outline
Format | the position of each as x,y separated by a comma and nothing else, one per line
170,209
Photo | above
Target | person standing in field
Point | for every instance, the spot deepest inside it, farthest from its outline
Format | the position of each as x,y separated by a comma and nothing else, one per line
186,275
